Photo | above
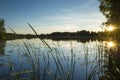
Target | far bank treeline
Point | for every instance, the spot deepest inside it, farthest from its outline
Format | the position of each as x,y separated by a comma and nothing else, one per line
57,35
54,35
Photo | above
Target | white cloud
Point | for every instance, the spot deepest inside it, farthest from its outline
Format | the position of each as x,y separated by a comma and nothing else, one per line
77,18
68,22
71,20
81,6
57,28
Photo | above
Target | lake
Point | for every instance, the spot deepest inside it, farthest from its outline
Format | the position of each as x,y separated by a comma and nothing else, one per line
33,59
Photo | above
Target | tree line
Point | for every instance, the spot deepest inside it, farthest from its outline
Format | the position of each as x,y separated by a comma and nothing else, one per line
72,35
54,35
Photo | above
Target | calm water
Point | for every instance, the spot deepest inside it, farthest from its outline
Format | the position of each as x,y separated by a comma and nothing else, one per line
68,59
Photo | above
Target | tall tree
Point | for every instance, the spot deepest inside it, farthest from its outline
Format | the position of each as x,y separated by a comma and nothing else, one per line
111,10
2,29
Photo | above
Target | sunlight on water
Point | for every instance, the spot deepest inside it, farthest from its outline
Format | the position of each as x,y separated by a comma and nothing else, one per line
111,44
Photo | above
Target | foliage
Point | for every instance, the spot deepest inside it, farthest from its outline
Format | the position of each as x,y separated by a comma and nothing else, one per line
111,10
59,35
70,35
2,30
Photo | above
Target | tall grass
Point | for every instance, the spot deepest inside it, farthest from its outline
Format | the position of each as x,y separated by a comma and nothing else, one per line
39,66
53,64
60,70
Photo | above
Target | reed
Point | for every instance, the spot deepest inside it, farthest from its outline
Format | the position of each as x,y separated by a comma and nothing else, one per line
40,65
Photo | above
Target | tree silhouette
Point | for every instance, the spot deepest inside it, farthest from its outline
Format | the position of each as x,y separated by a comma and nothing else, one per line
111,10
2,29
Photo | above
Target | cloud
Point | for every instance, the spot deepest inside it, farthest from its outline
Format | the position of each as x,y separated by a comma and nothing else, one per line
57,28
76,18
72,20
88,3
68,22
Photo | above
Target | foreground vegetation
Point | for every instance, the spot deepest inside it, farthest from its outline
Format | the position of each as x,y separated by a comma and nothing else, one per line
54,64
105,66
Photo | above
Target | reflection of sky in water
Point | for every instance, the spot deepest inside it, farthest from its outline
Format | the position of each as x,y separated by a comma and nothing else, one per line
87,55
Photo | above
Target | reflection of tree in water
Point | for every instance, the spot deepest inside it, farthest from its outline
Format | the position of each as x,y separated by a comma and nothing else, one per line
2,46
112,63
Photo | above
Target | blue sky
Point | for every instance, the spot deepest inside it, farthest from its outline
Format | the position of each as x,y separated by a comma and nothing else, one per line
51,15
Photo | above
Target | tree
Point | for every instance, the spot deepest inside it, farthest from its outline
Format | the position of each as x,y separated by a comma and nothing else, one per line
2,29
111,10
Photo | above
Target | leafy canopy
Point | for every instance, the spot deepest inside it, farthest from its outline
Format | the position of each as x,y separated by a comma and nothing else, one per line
111,10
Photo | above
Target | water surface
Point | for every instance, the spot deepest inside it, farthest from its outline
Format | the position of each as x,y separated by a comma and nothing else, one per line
31,58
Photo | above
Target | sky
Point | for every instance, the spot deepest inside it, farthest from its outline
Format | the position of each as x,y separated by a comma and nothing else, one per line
47,16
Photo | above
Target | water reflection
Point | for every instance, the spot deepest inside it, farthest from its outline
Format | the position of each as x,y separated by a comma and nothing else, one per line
81,40
110,44
2,46
91,60
112,61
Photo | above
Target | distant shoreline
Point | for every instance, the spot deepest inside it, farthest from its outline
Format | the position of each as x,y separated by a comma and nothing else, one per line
79,35
11,36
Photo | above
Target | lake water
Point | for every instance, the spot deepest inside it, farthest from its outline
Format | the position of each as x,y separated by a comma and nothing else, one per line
59,60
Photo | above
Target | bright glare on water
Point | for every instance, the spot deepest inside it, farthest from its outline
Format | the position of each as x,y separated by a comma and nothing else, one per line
111,44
